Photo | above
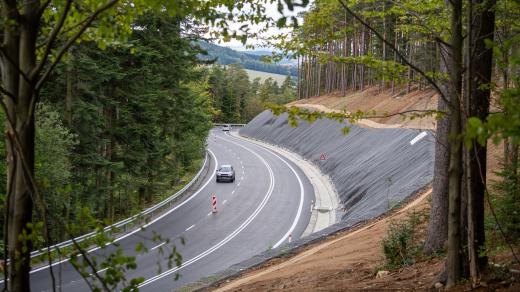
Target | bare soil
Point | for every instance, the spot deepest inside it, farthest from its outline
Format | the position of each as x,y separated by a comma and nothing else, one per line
348,261
382,102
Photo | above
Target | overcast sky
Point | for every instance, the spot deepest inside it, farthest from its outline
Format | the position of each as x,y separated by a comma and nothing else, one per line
272,11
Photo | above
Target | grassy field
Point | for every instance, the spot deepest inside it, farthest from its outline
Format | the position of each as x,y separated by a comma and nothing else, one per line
264,75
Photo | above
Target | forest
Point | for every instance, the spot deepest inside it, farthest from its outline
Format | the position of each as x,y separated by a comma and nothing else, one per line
107,106
226,56
115,120
122,128
469,53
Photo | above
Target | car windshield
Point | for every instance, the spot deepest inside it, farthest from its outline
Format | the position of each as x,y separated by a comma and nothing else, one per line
225,168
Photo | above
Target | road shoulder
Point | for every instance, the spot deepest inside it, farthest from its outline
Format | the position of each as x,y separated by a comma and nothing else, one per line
326,203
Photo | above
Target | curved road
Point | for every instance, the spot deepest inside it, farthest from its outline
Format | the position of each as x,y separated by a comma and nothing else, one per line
268,201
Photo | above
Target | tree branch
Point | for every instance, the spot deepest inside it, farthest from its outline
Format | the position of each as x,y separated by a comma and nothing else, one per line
90,264
43,7
29,179
64,49
15,65
51,39
71,41
399,54
403,113
9,94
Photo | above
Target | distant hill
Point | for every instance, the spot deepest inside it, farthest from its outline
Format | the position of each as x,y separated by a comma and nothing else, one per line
252,61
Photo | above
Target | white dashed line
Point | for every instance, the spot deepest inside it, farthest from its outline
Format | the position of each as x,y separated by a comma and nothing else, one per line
233,192
190,227
209,214
157,246
238,184
224,202
232,234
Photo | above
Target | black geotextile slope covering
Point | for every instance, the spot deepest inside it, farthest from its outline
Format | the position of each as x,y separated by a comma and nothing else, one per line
372,169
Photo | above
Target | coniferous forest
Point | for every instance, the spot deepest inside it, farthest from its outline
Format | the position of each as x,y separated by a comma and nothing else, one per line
122,127
107,107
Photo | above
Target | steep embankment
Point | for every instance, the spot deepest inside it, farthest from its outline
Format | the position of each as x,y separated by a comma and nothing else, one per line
372,169
387,101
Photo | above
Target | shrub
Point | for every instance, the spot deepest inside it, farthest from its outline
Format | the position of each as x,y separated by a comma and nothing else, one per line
400,245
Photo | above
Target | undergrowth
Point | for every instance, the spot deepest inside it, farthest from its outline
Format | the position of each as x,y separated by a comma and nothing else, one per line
402,245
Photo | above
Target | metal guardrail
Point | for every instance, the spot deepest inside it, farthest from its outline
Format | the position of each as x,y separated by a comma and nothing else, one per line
123,223
232,125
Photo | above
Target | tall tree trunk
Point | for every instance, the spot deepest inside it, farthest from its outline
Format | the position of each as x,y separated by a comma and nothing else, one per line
438,223
454,66
68,95
19,44
480,69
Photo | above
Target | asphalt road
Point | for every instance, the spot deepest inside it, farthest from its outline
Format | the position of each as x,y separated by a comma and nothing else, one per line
267,202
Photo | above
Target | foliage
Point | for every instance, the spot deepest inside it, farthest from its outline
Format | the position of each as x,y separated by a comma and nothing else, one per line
227,56
505,201
237,100
401,246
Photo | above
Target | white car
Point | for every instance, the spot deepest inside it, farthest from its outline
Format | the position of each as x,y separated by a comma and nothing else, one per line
226,128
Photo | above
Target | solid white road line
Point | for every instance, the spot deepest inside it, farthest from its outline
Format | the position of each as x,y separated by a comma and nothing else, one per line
149,223
232,234
190,227
302,194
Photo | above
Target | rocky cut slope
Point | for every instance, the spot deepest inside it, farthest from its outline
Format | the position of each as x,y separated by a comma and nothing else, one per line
372,169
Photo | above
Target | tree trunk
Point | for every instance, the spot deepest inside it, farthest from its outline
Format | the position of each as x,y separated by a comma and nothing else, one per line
454,65
480,69
438,224
19,44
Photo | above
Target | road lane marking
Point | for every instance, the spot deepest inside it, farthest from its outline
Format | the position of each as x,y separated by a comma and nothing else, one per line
233,192
302,194
232,234
157,246
224,202
210,178
209,214
190,227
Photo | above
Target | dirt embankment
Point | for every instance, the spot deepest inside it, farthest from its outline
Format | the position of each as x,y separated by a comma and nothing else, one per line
347,260
382,102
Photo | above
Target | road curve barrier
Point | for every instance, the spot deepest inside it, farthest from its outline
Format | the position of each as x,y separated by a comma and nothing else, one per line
125,224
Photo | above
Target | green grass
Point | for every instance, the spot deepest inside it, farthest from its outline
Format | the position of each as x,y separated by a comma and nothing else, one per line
264,75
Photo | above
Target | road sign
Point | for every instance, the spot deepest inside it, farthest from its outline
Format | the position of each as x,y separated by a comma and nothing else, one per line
322,157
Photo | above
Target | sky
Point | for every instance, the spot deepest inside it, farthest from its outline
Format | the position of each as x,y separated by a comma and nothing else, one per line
272,11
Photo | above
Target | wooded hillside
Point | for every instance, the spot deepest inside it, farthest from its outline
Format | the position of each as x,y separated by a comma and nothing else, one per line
252,61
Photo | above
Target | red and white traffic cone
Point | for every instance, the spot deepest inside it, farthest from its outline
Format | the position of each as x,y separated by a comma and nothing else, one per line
214,203
290,238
